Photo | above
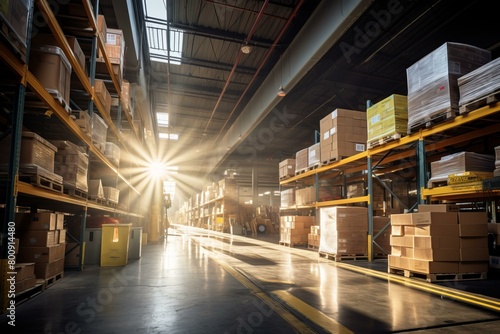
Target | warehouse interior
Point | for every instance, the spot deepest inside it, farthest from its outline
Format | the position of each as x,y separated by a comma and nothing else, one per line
281,151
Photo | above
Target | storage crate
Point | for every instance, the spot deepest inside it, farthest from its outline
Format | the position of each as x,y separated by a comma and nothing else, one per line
111,194
49,39
34,150
102,93
112,152
99,132
50,66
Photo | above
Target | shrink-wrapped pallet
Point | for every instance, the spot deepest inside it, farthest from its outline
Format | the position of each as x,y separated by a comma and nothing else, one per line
460,163
432,81
344,230
479,83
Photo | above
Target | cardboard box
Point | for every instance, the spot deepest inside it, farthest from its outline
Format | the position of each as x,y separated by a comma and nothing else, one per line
472,218
434,218
473,230
436,242
343,133
313,155
50,39
437,230
401,219
111,194
41,254
44,221
286,168
402,241
474,254
399,262
24,271
433,267
50,269
34,150
102,93
102,27
302,160
437,254
37,239
49,65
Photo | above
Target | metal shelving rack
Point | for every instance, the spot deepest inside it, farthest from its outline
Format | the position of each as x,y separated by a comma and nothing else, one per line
418,145
18,192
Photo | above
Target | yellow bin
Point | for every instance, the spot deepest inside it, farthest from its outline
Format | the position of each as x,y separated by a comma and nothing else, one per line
114,244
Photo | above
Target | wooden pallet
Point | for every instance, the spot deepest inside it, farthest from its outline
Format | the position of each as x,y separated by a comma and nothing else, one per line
332,160
29,293
300,171
75,192
384,140
286,177
97,200
437,183
314,247
341,257
41,181
293,244
432,120
59,98
438,277
488,100
48,282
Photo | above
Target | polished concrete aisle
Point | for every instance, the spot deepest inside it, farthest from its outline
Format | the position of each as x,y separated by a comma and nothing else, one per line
200,282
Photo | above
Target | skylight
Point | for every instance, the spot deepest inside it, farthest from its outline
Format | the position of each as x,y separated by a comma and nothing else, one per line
170,136
165,45
162,118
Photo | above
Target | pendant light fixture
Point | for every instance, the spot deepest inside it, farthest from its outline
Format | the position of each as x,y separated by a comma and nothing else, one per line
281,90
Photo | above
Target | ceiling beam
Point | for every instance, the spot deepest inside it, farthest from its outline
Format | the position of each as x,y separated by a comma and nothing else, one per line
324,28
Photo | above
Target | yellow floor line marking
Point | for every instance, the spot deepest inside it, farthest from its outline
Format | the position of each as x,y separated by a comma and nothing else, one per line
312,313
294,322
478,300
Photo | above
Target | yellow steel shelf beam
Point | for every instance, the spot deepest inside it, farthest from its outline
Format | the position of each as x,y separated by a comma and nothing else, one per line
407,140
455,193
32,190
334,165
360,199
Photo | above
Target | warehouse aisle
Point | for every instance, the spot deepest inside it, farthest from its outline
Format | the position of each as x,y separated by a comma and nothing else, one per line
201,282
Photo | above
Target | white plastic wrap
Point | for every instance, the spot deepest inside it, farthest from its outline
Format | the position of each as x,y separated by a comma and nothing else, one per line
460,163
480,82
432,81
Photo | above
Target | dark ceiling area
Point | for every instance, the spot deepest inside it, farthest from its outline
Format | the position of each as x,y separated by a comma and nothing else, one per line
223,104
207,93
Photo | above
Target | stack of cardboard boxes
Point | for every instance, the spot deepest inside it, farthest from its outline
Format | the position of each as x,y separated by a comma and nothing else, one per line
387,119
294,230
344,231
439,240
313,238
72,163
42,239
343,133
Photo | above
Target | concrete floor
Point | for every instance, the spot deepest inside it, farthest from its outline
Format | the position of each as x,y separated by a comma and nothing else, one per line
197,282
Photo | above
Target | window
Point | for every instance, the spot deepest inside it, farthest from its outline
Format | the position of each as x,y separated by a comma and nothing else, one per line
165,44
170,136
162,118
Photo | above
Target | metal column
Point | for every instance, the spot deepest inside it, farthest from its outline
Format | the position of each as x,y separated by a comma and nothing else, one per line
422,170
370,207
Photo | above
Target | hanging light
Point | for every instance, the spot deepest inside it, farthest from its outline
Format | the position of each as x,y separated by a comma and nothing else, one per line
246,49
281,91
